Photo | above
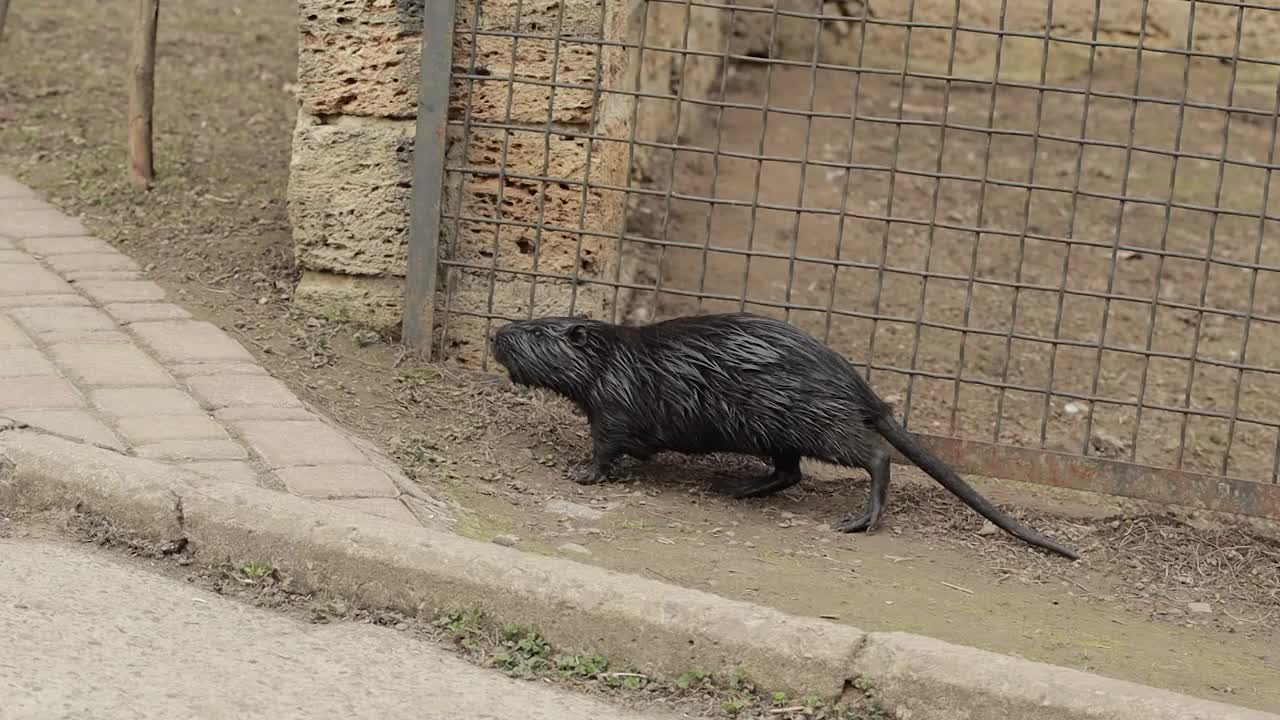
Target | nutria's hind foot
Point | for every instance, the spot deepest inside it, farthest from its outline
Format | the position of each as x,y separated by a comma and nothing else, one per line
877,466
786,473
587,474
856,524
771,484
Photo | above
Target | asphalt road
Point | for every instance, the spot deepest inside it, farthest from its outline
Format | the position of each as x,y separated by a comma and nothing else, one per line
87,635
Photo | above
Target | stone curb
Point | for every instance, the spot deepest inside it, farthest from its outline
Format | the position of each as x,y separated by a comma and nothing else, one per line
663,629
91,350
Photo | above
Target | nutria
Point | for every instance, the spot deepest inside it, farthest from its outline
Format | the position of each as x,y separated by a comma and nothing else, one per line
731,383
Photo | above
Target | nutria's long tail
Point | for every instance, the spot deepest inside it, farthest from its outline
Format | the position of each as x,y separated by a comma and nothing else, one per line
899,438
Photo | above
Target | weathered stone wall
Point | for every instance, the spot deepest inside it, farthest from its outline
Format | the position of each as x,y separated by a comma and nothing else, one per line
351,176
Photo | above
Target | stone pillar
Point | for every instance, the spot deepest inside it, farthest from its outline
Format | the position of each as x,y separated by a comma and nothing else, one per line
351,173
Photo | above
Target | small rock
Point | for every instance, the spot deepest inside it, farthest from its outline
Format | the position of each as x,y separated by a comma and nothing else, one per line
1073,408
988,528
402,626
1200,608
506,540
574,548
1107,445
573,510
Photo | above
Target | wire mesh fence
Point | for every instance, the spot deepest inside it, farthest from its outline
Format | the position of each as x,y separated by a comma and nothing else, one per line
1043,224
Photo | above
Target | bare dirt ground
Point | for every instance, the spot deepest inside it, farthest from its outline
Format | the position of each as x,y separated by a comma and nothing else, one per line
215,233
1025,339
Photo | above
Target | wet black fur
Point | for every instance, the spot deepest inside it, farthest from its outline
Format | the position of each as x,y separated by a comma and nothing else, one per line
737,383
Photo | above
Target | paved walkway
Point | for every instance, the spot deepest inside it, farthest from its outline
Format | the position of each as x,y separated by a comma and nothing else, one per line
91,350
88,636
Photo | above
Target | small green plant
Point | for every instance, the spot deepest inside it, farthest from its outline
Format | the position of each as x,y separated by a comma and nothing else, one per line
365,337
416,449
735,705
424,375
579,666
256,571
524,654
466,627
626,681
692,678
739,680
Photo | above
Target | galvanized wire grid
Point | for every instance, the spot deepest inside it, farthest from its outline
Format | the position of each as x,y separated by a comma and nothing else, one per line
1075,257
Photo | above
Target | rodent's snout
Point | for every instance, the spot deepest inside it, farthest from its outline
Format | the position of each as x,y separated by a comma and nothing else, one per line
496,334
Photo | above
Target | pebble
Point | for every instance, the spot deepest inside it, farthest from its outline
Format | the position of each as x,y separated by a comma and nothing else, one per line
988,528
1200,608
573,510
574,548
402,626
506,540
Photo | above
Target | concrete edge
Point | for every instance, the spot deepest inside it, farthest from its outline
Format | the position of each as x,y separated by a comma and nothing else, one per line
368,560
663,629
926,678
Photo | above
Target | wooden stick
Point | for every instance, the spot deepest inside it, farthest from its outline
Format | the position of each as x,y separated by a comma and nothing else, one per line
142,79
4,12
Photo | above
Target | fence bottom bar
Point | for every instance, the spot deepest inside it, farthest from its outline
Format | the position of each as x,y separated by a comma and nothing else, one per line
1110,477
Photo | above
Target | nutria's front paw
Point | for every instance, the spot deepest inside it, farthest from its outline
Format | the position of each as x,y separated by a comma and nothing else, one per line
587,475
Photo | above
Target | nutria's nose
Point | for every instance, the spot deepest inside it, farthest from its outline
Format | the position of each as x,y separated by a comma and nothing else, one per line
493,333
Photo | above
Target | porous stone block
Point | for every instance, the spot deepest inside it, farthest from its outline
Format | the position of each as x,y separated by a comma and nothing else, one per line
349,207
364,299
365,61
558,203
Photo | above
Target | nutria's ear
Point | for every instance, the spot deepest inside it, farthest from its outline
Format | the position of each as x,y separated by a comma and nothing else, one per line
577,334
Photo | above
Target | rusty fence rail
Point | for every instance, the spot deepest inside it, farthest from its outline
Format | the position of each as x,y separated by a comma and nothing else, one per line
1042,228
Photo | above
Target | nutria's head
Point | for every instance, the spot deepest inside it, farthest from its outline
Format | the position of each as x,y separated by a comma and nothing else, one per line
562,354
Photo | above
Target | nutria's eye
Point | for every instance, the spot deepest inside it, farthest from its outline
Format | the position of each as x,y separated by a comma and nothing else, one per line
577,334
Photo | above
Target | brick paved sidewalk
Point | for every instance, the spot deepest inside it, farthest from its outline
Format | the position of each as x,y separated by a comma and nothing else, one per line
91,351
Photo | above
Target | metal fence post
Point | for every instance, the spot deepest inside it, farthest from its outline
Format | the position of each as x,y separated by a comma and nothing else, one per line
428,175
